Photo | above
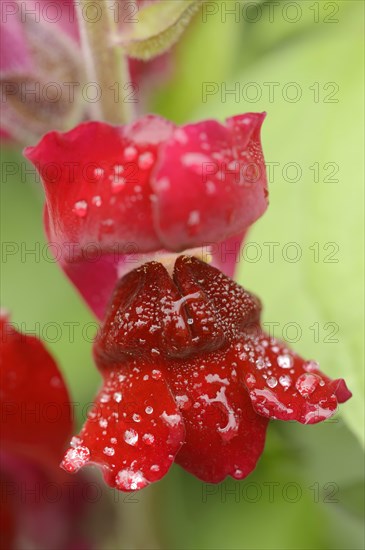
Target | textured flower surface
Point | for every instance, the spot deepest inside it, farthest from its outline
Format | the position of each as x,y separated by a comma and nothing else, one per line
118,195
35,425
190,377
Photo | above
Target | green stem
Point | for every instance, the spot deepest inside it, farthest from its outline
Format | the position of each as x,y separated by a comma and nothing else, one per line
105,63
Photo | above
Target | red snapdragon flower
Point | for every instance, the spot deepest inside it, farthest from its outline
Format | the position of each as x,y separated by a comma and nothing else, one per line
190,377
120,195
35,426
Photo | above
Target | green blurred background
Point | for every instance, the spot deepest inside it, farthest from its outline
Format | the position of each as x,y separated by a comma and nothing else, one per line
307,490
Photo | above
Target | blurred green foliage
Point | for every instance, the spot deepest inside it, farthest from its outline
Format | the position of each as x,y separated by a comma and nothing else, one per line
325,462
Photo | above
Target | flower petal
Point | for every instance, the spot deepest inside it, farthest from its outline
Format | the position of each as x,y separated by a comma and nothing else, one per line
211,183
35,406
284,386
224,436
98,199
96,180
133,431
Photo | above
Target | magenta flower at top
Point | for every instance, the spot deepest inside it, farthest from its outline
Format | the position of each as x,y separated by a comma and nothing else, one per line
119,195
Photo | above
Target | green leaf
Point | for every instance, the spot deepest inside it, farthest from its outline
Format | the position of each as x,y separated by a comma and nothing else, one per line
158,26
320,130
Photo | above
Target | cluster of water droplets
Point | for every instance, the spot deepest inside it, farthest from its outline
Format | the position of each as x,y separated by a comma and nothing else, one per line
108,181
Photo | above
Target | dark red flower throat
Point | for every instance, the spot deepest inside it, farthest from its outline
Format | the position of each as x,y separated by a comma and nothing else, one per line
189,375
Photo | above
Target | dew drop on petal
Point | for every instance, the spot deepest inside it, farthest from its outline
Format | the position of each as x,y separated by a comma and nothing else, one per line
250,381
272,382
75,441
194,218
156,374
146,160
130,153
109,451
285,361
306,384
155,468
75,458
128,480
136,417
130,437
80,209
96,201
260,363
117,396
148,439
118,184
149,410
285,381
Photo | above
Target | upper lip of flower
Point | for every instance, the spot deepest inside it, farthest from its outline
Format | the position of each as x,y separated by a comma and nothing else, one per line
114,191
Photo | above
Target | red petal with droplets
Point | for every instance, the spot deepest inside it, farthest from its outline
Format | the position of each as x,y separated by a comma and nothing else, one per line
134,430
35,407
284,386
97,184
211,184
224,436
114,193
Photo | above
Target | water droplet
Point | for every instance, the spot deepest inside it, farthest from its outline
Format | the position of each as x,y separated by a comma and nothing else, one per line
260,363
210,188
75,441
104,398
155,468
149,410
250,380
128,480
194,218
131,437
117,396
306,384
146,160
118,183
108,225
136,417
75,458
103,423
285,361
156,374
285,381
130,153
272,382
109,451
149,439
80,209
96,200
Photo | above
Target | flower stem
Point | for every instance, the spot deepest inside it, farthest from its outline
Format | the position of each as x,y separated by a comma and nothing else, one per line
106,65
